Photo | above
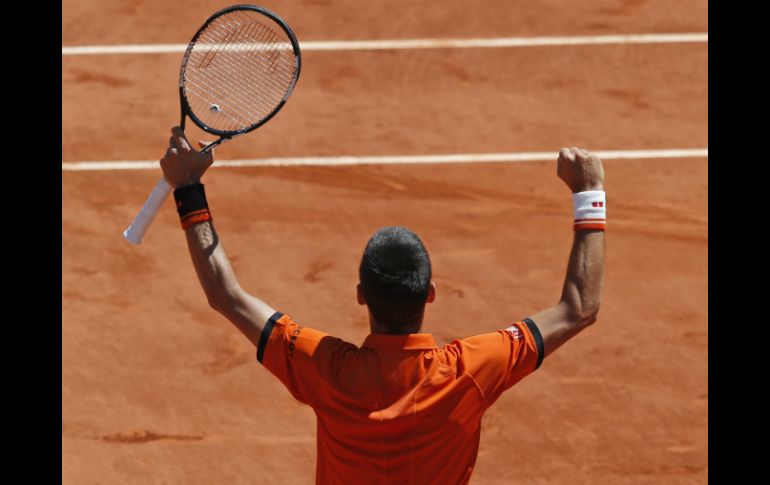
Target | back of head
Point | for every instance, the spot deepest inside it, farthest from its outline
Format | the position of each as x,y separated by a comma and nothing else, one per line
395,276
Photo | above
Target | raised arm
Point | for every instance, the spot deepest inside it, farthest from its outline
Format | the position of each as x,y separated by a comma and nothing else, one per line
579,304
183,168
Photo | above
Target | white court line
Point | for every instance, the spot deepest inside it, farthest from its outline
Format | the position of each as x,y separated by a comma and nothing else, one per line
390,160
414,43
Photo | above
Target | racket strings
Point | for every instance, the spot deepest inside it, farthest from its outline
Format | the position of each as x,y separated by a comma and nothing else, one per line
278,81
271,54
264,40
242,96
238,71
267,44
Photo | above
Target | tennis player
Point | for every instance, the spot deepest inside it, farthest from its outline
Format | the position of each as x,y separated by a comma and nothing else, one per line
397,408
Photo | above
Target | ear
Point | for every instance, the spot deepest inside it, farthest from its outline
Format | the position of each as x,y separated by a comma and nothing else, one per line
360,295
431,293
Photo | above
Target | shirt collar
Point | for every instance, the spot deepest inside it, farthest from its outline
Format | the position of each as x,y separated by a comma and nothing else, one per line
412,341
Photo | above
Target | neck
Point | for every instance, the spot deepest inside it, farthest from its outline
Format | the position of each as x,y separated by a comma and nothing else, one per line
401,331
415,327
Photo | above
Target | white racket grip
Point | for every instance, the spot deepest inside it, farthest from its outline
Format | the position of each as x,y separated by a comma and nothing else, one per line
136,231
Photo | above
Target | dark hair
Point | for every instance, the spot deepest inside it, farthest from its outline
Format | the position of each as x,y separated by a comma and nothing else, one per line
395,275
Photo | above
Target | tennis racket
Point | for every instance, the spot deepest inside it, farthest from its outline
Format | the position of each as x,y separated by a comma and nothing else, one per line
237,73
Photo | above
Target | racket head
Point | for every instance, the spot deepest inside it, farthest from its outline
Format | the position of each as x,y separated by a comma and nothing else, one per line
239,70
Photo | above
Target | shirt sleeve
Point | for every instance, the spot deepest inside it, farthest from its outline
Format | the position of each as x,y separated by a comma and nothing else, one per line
298,356
500,359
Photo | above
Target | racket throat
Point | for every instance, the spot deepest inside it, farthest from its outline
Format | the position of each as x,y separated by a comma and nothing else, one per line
215,144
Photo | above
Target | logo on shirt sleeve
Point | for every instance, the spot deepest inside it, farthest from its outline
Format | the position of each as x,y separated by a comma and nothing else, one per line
515,332
293,340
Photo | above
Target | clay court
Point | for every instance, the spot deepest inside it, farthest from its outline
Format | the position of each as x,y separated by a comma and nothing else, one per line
157,388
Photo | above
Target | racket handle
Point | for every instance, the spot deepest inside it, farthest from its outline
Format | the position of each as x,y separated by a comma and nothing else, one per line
136,231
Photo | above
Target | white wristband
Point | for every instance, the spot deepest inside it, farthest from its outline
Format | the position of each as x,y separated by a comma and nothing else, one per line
590,209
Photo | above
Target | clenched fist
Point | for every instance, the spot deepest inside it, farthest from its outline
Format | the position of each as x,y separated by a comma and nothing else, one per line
580,170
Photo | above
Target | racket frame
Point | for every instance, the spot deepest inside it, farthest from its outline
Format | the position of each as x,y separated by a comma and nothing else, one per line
186,110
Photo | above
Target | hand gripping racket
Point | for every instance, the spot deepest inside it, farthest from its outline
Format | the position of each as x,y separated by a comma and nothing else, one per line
238,71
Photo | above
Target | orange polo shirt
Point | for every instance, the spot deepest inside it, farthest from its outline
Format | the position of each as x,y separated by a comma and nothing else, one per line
397,409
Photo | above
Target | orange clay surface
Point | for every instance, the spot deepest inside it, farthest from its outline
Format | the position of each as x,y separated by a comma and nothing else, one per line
158,388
